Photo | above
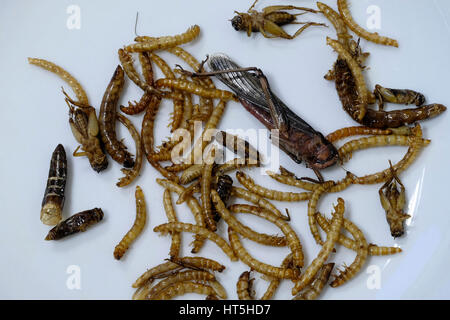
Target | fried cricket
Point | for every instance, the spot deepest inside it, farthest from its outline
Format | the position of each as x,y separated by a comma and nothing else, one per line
136,229
53,201
77,223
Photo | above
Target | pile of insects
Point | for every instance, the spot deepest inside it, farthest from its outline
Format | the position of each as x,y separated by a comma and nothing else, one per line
205,183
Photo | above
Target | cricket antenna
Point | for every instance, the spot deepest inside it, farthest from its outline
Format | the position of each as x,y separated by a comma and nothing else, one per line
135,23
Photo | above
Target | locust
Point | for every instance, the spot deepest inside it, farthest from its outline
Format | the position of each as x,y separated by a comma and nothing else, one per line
293,135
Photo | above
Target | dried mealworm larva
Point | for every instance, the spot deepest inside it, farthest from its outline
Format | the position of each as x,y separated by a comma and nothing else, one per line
172,217
257,200
193,205
136,229
77,223
351,244
189,191
338,23
355,131
313,290
355,68
191,173
275,282
127,64
53,201
292,239
310,272
248,182
312,208
194,88
292,180
63,74
373,37
131,174
361,255
190,275
244,287
239,146
181,288
242,229
161,43
147,68
155,272
137,107
205,183
199,263
187,227
244,256
107,120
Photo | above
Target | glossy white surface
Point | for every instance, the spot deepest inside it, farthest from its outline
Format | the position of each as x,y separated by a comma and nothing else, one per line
34,120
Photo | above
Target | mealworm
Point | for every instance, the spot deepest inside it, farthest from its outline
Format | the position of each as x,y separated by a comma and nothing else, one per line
136,229
77,223
275,282
355,68
351,244
292,181
131,174
155,272
189,191
166,42
373,37
312,291
312,208
245,231
337,22
269,270
187,227
191,173
239,146
244,287
107,120
256,199
138,107
248,183
181,288
205,108
205,185
194,88
236,163
172,217
63,74
355,131
200,263
127,64
190,275
193,205
292,239
53,201
361,256
310,272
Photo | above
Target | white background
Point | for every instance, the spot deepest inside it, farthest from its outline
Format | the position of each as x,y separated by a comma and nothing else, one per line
35,119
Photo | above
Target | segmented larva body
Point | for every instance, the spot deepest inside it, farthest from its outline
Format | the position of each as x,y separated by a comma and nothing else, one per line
312,208
191,173
195,88
172,217
203,232
181,288
138,107
131,174
63,74
166,42
190,275
361,256
189,192
338,23
248,183
292,181
343,184
310,272
205,183
275,282
107,120
154,272
77,223
257,200
235,164
177,116
355,131
53,201
399,96
355,68
245,231
269,270
193,205
136,229
312,291
127,64
244,287
351,244
373,37
200,263
205,108
239,146
147,68
291,237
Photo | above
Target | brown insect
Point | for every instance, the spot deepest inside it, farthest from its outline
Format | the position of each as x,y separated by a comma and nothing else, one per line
77,223
107,120
270,20
393,201
53,202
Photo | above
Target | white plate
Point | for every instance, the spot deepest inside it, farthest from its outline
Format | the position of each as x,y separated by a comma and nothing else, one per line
34,120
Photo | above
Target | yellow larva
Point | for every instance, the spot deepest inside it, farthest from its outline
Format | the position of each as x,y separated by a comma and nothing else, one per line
172,217
181,288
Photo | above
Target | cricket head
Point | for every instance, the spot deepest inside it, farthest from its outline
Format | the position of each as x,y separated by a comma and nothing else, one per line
239,21
320,153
